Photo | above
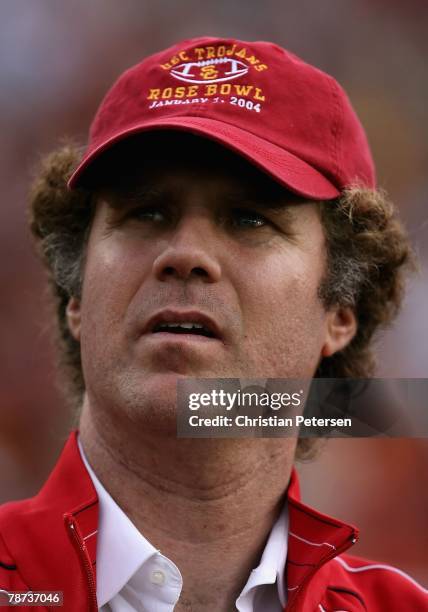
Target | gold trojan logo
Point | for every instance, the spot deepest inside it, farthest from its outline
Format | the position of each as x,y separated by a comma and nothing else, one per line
210,71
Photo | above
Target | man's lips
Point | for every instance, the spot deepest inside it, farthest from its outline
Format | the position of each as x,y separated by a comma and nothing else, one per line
189,323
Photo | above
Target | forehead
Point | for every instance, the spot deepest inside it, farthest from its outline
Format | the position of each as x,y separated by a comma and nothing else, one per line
164,155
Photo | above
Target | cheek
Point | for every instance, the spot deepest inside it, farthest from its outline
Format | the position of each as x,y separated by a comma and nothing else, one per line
283,315
287,282
111,278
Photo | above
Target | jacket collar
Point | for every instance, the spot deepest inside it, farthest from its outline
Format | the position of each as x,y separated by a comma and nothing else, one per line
313,539
66,509
39,532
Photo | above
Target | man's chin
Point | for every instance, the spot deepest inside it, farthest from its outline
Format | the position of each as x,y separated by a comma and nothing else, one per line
154,404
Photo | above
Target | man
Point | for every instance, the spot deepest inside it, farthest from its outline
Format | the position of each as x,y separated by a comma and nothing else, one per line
223,222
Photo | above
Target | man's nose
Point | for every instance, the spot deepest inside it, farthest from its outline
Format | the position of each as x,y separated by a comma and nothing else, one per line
191,253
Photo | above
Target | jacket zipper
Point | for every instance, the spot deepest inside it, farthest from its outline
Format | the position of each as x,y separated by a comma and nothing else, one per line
292,604
86,564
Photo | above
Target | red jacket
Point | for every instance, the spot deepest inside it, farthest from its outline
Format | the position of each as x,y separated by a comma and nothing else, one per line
48,543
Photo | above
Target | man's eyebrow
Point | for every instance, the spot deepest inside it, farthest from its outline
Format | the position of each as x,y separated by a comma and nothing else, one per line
278,203
120,197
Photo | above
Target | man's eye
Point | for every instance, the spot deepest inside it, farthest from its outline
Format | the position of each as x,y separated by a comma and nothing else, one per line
148,213
242,218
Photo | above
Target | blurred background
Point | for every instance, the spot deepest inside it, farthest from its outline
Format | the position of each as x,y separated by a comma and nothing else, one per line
57,59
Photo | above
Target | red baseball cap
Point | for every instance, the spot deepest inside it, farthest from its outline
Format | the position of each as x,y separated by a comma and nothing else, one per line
283,115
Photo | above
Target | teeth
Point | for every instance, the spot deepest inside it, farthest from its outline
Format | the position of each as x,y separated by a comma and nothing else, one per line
183,325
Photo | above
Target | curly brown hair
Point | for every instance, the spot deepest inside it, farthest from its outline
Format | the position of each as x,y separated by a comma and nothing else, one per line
368,253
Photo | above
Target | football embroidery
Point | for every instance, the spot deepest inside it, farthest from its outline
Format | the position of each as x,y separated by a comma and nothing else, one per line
210,71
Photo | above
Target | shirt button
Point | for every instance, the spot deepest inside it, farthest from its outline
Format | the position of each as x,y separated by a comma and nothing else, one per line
157,577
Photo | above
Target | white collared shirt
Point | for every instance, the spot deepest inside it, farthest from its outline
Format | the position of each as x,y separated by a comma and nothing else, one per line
132,575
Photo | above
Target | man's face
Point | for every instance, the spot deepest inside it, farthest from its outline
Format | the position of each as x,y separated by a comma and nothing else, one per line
196,234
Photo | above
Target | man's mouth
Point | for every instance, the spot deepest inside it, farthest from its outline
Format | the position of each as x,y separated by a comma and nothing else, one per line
192,323
184,328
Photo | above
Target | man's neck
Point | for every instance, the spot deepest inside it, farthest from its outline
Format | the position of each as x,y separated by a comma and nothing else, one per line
207,504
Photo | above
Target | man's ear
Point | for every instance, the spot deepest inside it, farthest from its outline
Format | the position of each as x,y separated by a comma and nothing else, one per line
72,313
341,328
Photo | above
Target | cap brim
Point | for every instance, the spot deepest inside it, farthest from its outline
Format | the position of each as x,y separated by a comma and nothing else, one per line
289,170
